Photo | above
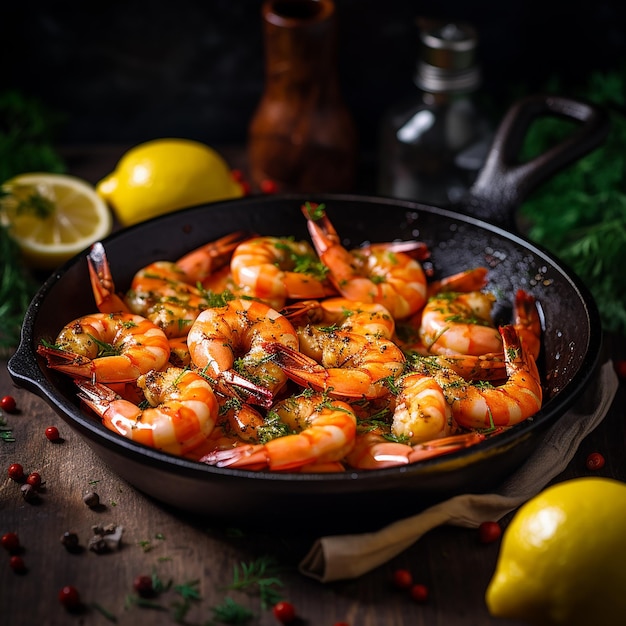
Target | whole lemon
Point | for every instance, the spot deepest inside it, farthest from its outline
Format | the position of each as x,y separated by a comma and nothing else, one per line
165,175
563,557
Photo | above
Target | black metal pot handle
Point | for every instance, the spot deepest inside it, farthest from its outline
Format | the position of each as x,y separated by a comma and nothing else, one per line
504,182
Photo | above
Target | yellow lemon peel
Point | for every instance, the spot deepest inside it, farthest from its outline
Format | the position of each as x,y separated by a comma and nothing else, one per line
562,560
165,175
53,217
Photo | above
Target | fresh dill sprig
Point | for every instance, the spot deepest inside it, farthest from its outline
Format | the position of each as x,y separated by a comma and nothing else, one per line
231,612
259,576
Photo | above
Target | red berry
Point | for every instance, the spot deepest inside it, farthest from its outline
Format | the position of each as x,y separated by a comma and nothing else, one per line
8,404
34,479
17,564
402,579
268,186
52,433
595,461
10,542
245,187
143,586
16,471
69,597
419,593
284,612
620,368
488,532
237,175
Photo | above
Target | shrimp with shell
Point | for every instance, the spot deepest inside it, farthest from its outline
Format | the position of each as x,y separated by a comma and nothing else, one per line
421,412
487,406
169,293
386,274
349,365
373,450
108,347
323,431
182,414
235,335
277,269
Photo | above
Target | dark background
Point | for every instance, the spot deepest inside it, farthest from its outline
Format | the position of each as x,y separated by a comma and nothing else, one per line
126,72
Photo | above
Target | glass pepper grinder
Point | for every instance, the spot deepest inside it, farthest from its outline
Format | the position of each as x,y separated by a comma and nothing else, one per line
432,145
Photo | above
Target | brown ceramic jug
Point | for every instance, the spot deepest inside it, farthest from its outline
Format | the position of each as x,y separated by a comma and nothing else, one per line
302,135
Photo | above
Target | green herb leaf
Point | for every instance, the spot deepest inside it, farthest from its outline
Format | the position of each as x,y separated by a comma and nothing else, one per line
230,612
580,214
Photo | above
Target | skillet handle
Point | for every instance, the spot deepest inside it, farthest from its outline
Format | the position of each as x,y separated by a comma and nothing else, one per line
503,182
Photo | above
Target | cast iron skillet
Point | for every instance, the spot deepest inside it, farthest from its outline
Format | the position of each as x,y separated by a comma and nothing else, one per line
571,342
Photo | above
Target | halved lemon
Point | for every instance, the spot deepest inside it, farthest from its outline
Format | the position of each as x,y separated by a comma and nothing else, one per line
52,217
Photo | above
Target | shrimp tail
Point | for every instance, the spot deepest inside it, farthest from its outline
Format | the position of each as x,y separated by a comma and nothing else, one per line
527,322
102,285
199,264
66,362
300,368
95,395
246,456
444,445
256,394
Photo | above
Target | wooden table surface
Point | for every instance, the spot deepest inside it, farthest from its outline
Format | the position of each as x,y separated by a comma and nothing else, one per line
202,556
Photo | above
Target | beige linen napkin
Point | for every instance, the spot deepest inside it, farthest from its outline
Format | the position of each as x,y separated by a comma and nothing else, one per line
349,556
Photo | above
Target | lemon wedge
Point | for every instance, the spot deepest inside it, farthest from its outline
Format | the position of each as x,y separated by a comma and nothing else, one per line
52,217
562,557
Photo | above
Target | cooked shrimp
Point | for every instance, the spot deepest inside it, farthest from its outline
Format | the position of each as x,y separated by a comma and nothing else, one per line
459,323
160,292
102,284
323,432
181,417
108,347
485,367
314,320
421,412
527,322
473,279
486,406
239,331
200,264
379,274
373,451
349,366
342,314
274,269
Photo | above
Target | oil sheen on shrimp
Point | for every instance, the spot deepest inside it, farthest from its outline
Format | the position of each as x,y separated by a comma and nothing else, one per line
350,365
459,323
274,269
181,417
108,347
380,274
238,331
315,321
422,412
373,451
485,406
323,432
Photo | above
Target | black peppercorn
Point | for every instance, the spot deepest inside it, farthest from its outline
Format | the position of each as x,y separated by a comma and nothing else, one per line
91,499
70,541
